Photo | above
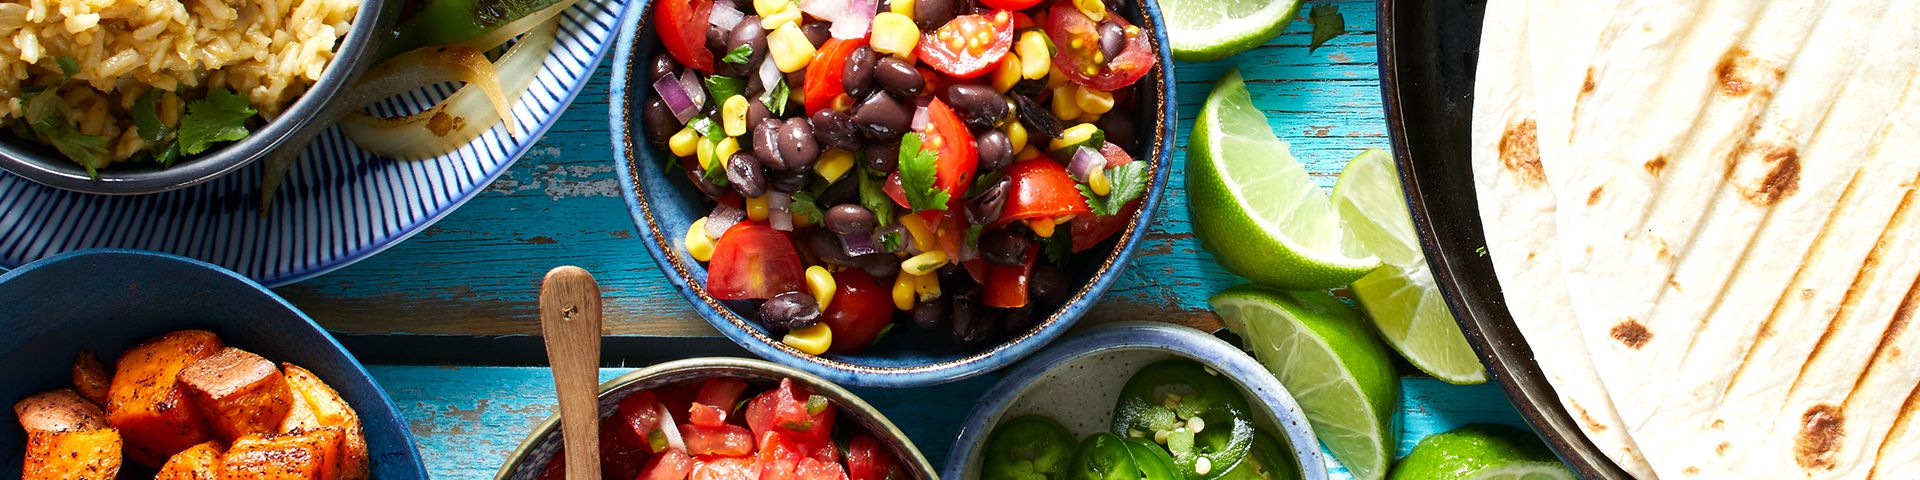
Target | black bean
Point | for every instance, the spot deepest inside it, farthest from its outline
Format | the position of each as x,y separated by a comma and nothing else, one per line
1048,285
985,208
849,219
835,129
883,157
898,77
931,314
847,190
1119,130
930,15
859,73
1029,87
970,324
766,143
789,180
1004,247
1018,320
659,121
996,151
790,311
978,105
797,147
709,188
879,265
826,248
717,40
743,173
662,65
882,118
1112,39
1040,122
757,113
817,32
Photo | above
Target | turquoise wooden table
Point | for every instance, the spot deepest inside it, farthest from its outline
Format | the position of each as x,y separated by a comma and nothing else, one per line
466,288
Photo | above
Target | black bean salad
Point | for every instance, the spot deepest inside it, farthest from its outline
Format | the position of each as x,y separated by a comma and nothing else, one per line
927,161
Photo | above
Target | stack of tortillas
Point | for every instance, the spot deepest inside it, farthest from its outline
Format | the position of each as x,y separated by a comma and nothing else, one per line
1704,218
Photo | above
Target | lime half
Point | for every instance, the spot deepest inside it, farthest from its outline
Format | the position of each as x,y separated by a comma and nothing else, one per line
1203,30
1400,297
1254,206
1481,452
1330,361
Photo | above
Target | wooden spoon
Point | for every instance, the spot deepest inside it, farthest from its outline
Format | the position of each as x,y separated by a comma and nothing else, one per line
570,324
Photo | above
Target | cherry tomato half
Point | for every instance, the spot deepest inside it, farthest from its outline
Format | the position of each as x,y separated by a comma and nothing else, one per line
1007,284
1042,188
949,137
868,460
969,45
1011,4
823,88
754,261
859,311
1068,26
1089,230
683,31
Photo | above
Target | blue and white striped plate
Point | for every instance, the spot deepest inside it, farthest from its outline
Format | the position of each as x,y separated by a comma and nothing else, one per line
340,204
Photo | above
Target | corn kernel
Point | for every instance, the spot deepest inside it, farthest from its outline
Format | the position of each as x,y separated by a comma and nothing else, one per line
903,7
783,17
1063,104
1074,135
820,283
698,244
757,208
1095,9
1017,135
927,287
733,115
1093,101
1030,153
1036,59
1006,73
768,8
922,235
925,262
834,163
894,34
802,220
1055,81
790,48
1099,183
683,143
725,148
903,288
703,151
1042,227
813,340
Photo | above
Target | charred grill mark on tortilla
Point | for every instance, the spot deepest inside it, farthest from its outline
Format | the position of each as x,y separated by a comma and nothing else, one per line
1901,424
1520,153
1657,165
1631,333
1856,287
1821,430
1592,424
1736,73
1722,448
1593,198
1778,173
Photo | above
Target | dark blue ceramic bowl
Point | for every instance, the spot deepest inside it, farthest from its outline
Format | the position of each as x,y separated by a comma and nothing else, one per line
1078,381
664,203
108,300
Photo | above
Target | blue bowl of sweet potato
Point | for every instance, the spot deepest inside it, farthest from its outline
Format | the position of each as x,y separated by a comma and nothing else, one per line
127,364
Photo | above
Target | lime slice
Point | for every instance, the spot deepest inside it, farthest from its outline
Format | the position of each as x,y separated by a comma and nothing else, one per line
1400,297
1481,452
1254,206
1203,30
1330,361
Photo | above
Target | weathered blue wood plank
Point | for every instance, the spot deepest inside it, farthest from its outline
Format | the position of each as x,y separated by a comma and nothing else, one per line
468,419
476,271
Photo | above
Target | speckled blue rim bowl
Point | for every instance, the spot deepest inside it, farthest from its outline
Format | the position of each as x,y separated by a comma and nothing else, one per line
107,300
41,164
664,204
1273,405
532,455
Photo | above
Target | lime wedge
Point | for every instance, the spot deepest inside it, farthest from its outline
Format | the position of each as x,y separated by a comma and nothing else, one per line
1254,206
1400,297
1330,361
1203,30
1481,452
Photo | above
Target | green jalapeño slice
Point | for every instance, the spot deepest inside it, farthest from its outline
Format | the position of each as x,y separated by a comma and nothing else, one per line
1199,416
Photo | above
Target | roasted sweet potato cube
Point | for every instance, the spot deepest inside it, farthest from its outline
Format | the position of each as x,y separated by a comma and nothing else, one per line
238,392
90,377
145,401
202,462
317,405
59,411
307,455
71,455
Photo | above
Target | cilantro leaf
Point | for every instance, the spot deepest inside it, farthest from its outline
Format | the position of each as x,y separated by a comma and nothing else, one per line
805,203
166,156
68,66
46,117
890,240
917,173
221,117
973,235
739,55
720,88
145,118
708,128
1129,181
776,99
716,169
875,198
1059,247
1327,23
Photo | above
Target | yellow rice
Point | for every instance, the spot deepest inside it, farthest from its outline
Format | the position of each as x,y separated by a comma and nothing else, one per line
268,50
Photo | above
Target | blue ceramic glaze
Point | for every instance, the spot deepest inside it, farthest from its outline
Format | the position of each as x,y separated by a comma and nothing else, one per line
1081,377
107,300
664,203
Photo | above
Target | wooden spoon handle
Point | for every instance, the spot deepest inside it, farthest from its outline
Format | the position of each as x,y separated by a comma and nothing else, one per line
570,321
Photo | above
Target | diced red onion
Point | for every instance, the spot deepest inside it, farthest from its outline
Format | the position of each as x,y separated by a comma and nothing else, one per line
676,97
725,16
1085,161
828,10
920,118
856,21
778,214
670,429
696,90
968,252
722,218
769,75
858,245
726,3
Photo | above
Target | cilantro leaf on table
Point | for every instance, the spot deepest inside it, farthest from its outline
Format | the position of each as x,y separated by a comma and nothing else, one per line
1327,23
918,170
1129,181
739,55
221,117
875,198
